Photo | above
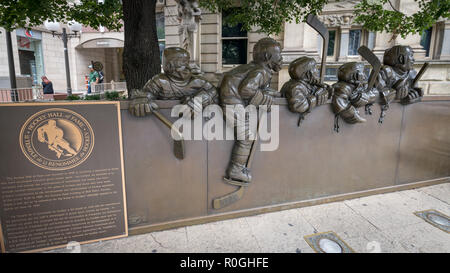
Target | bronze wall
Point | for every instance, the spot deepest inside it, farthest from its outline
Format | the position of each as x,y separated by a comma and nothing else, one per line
412,145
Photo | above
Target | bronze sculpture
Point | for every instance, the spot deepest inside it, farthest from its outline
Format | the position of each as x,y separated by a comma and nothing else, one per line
244,85
177,82
351,92
304,90
397,78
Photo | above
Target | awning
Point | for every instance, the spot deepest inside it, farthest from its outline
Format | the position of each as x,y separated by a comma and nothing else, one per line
102,43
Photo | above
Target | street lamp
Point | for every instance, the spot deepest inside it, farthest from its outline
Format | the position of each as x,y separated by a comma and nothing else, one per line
74,27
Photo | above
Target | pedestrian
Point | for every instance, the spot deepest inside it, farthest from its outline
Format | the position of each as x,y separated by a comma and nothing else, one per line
93,78
47,85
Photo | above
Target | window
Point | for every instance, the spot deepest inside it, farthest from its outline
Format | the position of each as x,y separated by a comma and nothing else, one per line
160,32
425,41
354,41
234,42
331,43
370,39
330,74
29,47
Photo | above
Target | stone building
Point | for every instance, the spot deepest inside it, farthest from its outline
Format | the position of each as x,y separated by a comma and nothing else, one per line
221,47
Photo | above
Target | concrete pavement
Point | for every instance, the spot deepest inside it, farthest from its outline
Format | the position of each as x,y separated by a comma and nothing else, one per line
377,223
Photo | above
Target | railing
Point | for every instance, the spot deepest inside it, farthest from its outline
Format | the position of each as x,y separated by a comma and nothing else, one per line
20,94
112,86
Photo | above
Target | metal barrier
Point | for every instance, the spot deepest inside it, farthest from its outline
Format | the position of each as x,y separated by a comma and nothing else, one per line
112,86
22,94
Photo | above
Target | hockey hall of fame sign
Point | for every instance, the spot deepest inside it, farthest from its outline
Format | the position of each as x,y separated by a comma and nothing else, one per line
61,175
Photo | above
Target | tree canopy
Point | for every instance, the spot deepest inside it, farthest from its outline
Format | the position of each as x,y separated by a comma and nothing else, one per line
266,15
29,13
141,59
375,15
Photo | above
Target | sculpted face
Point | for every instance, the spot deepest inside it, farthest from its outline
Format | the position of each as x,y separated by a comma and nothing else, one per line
315,73
304,68
181,69
176,64
400,57
267,51
352,72
276,60
409,59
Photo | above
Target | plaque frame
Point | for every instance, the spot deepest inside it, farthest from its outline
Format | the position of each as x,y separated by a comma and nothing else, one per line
122,175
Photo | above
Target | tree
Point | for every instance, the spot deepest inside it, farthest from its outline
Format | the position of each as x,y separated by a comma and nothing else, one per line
141,53
29,13
375,15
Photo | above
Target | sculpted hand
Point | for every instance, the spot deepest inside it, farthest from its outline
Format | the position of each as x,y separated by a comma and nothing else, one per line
322,96
140,107
402,92
402,89
272,93
414,95
195,105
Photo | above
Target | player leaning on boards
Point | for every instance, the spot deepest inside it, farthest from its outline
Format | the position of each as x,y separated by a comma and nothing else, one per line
177,82
351,92
398,79
304,90
244,85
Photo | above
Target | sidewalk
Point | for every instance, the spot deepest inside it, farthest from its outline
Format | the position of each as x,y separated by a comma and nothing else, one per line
377,223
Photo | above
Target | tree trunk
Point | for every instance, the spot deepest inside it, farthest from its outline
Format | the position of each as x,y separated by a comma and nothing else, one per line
141,51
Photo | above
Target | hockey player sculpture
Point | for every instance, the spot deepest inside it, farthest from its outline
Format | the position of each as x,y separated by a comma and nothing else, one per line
398,79
351,92
245,85
304,91
177,82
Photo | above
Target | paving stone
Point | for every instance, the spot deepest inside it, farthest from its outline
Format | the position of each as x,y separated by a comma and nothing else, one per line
421,238
376,242
386,211
337,217
280,231
441,192
224,236
423,201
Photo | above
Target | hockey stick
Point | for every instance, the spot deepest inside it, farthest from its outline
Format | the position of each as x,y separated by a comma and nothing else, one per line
314,22
420,74
373,60
178,145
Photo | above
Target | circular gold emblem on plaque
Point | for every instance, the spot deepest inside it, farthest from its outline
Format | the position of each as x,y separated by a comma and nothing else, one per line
57,139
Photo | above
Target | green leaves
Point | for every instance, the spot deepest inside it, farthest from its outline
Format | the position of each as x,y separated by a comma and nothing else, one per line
28,13
381,15
269,16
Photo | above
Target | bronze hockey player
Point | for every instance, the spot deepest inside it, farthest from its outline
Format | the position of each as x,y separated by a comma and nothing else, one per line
244,85
177,82
304,90
396,78
350,93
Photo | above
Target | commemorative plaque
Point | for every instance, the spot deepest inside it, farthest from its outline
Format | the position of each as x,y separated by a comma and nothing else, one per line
61,175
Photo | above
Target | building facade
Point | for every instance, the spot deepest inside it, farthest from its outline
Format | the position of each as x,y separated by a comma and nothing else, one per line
222,47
